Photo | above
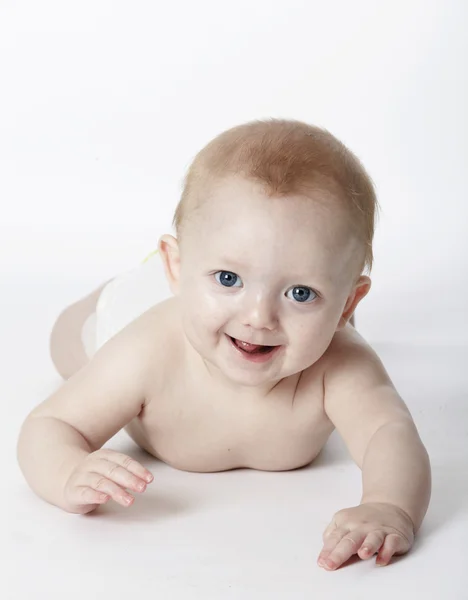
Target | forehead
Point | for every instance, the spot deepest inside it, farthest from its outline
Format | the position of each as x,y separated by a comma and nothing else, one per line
239,219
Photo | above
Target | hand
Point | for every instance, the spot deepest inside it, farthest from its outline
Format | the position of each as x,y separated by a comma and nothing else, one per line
102,475
364,530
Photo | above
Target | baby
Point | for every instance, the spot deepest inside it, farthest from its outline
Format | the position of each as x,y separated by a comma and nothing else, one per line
252,361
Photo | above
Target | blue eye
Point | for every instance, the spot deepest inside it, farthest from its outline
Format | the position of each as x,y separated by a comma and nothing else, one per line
228,279
302,294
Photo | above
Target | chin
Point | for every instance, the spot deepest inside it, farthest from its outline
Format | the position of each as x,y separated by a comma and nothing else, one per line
247,375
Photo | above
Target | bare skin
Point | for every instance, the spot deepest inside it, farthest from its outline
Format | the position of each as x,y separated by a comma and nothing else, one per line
66,347
219,410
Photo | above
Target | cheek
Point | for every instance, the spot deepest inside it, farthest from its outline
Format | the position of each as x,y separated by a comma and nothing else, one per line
204,311
312,337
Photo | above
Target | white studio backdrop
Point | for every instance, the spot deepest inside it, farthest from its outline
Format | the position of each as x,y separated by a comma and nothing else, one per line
103,105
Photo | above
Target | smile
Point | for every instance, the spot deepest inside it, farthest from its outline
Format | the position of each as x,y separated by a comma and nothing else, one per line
253,352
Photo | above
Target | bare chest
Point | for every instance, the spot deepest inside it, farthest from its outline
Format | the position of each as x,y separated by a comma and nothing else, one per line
212,432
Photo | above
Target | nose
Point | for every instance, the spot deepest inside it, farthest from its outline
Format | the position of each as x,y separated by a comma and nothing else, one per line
259,312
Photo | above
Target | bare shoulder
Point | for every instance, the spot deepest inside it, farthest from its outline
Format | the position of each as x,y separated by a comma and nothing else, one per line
348,351
158,335
348,354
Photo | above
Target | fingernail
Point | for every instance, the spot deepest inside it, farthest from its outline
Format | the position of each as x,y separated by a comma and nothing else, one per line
140,487
149,478
128,499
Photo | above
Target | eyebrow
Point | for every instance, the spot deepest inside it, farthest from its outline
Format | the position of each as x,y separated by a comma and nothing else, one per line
230,261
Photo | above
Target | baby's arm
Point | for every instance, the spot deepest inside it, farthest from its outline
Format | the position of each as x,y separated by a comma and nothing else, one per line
382,438
59,439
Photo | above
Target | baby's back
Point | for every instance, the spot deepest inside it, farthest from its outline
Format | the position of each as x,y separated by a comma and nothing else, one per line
193,424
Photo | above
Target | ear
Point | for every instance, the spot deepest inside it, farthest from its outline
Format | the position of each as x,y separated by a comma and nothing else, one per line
168,247
360,289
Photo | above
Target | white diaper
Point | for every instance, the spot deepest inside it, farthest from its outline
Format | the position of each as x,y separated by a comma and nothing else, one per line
123,300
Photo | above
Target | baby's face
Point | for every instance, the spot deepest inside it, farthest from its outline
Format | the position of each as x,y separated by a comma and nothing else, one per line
274,272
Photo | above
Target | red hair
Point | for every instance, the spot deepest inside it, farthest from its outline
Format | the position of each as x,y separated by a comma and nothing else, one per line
288,157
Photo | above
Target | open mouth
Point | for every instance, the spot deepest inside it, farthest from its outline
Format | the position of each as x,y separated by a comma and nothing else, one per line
253,352
251,348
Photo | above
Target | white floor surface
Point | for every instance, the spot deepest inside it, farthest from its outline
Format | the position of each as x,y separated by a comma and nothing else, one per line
236,535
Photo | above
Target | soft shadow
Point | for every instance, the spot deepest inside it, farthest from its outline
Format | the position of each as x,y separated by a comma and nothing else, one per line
147,507
154,503
352,561
449,499
355,559
332,454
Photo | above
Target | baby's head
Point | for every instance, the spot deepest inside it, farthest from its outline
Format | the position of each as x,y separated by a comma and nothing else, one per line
274,230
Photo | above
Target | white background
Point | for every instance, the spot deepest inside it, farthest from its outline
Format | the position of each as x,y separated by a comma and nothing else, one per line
103,104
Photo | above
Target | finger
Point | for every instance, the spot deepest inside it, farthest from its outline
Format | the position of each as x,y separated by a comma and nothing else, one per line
346,547
90,496
332,527
332,539
127,463
118,475
98,482
393,544
82,500
371,544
